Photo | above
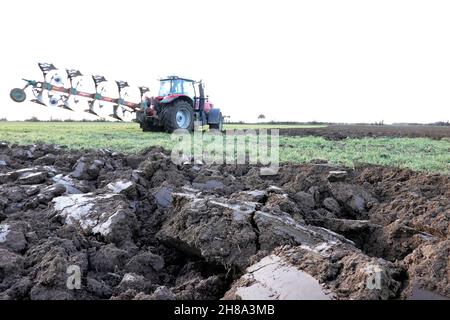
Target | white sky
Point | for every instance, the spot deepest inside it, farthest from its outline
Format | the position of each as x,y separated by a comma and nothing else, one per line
340,61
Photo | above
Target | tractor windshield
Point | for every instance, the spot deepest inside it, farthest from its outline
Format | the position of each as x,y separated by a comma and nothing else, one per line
179,86
165,88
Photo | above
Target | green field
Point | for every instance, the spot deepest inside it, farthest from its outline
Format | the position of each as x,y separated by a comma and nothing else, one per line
416,153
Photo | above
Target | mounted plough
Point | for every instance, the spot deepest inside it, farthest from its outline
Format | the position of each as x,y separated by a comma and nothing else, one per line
52,91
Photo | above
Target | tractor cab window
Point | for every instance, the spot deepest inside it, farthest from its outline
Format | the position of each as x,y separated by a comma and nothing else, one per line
176,86
165,88
170,87
188,88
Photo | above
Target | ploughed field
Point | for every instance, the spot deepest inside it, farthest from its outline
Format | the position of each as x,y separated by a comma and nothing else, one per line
137,226
339,132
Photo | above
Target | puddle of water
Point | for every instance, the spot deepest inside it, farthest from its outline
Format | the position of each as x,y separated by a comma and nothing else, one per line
67,182
275,279
119,186
4,231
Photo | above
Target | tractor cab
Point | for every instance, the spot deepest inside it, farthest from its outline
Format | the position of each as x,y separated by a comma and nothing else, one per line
177,86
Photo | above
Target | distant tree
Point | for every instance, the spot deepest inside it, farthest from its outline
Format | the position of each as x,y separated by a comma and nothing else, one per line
261,117
441,123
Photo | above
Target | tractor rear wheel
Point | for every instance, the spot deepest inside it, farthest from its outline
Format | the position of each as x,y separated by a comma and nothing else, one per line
180,115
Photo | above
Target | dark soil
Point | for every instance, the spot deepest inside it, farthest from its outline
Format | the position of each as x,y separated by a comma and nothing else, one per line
340,132
139,227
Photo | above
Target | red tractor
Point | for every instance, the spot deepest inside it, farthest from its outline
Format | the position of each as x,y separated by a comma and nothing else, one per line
179,104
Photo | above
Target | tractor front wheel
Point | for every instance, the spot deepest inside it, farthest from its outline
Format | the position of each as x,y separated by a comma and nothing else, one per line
217,126
180,115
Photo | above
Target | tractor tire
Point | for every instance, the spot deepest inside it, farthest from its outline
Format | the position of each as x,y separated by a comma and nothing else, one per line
179,115
147,124
217,126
